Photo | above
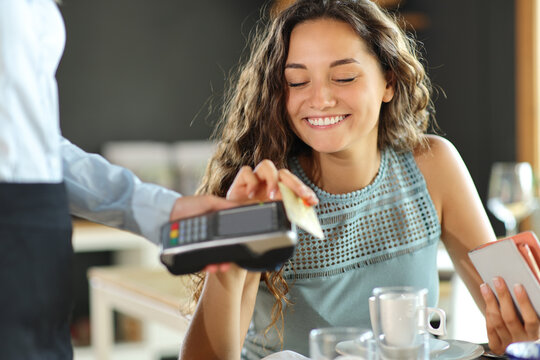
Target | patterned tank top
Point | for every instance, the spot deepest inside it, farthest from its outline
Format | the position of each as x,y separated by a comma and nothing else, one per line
385,234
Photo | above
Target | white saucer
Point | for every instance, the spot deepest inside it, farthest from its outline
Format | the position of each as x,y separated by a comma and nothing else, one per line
351,347
460,350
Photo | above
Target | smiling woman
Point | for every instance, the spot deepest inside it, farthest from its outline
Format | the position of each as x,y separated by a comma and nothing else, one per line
334,91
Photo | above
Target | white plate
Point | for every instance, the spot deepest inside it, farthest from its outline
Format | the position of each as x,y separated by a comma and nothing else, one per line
351,347
460,350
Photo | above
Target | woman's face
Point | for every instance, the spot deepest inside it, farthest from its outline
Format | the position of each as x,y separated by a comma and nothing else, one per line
336,87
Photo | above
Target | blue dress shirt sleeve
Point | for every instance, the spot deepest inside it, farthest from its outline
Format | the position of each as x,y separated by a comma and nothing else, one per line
112,195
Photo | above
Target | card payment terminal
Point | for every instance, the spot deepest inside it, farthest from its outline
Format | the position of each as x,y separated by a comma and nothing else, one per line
257,237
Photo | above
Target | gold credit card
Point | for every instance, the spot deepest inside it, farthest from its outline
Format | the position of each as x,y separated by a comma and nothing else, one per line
299,213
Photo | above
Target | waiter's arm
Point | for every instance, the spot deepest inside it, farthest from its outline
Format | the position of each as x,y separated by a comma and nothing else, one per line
112,195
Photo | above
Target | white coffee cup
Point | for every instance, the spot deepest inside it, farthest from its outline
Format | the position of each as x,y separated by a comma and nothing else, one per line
399,316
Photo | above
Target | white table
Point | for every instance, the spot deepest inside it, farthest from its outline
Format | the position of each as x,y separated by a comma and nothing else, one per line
146,293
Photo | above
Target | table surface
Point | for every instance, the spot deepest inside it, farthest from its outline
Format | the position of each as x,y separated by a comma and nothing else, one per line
154,284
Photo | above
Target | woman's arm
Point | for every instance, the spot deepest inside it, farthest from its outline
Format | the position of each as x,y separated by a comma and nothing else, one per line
465,226
222,317
464,222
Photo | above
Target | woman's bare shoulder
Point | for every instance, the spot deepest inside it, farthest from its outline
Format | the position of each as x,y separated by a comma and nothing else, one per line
438,155
442,167
435,148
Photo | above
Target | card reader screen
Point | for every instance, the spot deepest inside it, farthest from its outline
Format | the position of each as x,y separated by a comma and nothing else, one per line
258,219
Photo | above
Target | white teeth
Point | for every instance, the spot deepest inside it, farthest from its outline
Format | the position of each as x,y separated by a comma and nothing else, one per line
325,121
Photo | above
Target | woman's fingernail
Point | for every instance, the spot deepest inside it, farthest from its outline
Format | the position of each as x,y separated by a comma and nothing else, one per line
484,290
518,289
272,194
309,193
251,195
497,281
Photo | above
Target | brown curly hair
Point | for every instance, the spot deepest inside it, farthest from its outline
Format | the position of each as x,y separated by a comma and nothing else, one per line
255,124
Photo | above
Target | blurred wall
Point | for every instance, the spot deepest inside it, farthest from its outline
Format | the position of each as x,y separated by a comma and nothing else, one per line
148,69
469,48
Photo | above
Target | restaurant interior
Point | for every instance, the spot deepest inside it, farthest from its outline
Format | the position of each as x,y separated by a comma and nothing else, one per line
141,82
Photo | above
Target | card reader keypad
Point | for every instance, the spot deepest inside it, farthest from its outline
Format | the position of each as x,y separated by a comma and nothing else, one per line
188,231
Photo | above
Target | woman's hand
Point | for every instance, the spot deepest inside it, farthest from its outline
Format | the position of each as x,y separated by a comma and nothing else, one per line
503,323
261,184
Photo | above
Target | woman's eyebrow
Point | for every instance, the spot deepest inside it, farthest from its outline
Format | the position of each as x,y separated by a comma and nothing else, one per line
344,62
295,66
332,64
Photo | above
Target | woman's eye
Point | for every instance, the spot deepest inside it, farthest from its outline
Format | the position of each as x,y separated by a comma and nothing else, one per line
345,80
297,84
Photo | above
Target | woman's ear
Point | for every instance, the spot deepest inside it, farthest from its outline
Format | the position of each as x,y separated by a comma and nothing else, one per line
390,87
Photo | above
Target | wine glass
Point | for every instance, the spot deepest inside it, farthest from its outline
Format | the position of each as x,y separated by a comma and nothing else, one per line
511,193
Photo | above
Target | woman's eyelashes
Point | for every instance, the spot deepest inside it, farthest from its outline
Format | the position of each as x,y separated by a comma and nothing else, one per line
345,80
297,84
341,80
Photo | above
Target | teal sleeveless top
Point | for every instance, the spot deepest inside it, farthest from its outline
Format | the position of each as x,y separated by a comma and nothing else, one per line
385,234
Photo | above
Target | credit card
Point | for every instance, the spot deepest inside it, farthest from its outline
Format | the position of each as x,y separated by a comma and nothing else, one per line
299,213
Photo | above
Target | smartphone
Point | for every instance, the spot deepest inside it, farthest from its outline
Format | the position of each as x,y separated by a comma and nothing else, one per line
513,258
257,237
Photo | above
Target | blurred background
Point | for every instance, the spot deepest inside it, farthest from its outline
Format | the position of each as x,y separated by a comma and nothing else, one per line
141,70
142,81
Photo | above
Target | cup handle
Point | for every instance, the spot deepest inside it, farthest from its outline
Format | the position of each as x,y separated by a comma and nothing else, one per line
441,330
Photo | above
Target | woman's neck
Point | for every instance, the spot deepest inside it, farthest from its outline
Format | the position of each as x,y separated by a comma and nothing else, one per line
342,172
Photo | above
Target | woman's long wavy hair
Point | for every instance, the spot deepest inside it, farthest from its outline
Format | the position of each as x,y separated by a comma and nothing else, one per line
255,124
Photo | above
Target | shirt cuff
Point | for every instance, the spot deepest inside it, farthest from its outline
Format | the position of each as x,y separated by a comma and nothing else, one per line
151,206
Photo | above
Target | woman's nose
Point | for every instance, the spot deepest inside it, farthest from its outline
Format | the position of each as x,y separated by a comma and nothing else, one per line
322,97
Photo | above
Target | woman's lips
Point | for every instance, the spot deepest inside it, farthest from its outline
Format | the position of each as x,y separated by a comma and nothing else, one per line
325,121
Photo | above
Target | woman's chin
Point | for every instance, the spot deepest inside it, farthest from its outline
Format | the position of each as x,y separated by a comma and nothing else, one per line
326,148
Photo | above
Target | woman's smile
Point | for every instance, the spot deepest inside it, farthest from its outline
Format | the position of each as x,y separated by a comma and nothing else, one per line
325,122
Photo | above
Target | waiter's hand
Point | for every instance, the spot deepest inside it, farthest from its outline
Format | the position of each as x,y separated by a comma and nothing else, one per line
261,184
187,206
503,324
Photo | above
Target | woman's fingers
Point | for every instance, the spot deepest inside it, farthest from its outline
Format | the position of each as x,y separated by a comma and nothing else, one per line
497,332
262,184
244,186
530,318
267,173
258,184
504,325
508,310
298,187
494,341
